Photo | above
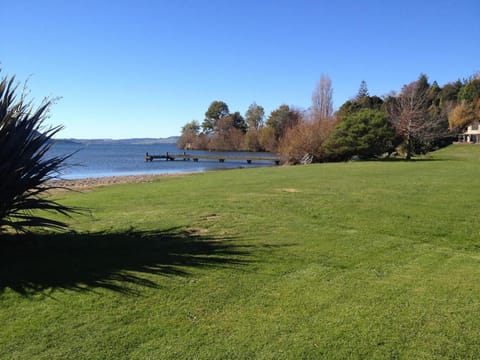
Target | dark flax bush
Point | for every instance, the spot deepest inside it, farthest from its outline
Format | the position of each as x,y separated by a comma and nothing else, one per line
25,168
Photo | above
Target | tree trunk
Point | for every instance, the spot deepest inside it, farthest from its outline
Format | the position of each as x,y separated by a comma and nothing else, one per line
409,149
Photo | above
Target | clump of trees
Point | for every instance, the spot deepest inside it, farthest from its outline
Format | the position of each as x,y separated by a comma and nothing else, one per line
220,130
25,168
419,118
303,142
467,109
287,130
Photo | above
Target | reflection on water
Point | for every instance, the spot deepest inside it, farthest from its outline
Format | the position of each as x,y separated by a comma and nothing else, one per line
99,160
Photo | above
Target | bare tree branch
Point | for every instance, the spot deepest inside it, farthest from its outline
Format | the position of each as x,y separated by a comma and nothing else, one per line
322,99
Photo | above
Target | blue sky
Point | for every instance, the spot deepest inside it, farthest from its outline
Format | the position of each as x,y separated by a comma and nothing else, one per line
143,68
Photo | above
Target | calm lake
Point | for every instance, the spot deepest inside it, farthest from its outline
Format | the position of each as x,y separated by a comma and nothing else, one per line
110,159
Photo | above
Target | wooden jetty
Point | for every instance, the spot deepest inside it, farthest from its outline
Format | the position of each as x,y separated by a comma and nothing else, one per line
220,158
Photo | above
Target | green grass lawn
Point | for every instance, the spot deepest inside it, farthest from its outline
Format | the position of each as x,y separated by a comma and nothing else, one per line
368,260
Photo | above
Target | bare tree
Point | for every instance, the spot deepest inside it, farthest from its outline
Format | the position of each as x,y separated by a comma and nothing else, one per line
407,112
409,115
322,99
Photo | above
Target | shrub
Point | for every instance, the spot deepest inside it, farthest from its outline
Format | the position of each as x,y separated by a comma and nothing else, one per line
366,134
25,168
305,140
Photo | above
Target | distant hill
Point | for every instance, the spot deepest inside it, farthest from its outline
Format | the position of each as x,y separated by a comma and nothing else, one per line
65,141
134,141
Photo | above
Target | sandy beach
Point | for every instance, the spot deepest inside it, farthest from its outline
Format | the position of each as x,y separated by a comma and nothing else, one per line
88,183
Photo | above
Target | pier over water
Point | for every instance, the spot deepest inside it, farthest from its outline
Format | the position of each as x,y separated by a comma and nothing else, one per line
220,158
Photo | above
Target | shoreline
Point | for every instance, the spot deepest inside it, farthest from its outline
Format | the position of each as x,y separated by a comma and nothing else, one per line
91,182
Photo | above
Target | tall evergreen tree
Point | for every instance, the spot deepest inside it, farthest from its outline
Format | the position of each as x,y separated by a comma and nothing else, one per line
362,91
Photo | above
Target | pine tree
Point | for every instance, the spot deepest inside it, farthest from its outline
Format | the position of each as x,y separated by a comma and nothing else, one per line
362,91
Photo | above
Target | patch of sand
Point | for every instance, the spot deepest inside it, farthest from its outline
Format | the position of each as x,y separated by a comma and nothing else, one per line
88,183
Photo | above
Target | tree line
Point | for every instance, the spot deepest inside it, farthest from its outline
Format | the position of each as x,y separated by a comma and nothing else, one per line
421,117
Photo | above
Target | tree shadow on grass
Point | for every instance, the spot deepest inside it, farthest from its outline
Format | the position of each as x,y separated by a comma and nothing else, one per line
32,264
412,160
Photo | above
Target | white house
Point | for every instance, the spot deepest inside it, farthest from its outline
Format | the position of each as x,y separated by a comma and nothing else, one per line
471,134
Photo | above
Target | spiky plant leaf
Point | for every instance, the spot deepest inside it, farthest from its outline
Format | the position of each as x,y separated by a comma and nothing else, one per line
25,168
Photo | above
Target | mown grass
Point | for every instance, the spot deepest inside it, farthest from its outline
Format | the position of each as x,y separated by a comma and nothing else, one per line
367,260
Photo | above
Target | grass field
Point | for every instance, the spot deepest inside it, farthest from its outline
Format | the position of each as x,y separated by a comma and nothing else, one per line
367,260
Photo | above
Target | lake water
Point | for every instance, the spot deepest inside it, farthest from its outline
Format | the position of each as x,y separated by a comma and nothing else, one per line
100,160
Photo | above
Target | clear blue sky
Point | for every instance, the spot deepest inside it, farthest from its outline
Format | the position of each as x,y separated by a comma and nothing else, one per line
143,68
